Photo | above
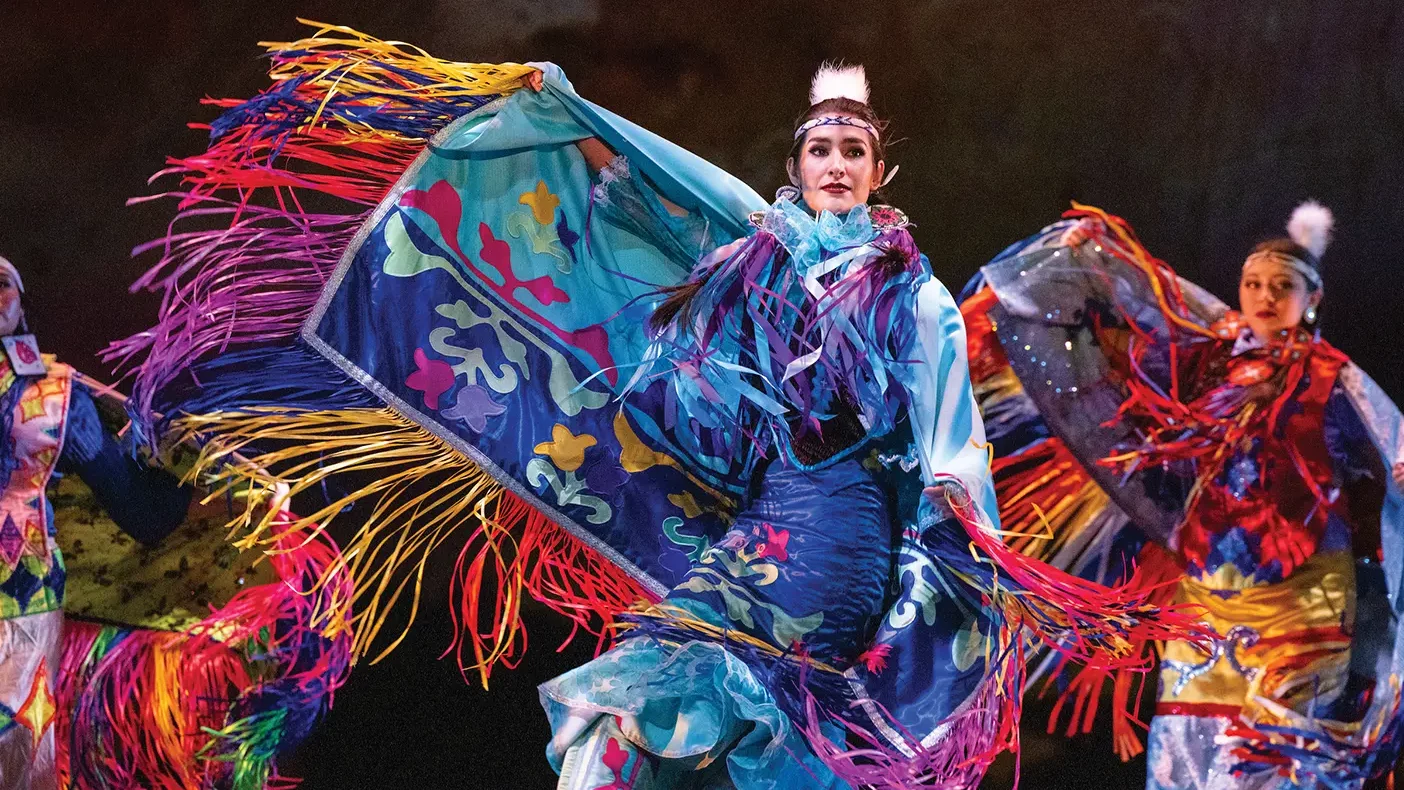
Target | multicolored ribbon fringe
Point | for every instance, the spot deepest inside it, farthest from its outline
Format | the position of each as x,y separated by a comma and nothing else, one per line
214,705
346,116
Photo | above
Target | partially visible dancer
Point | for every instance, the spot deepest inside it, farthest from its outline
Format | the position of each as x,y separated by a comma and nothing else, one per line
602,373
48,422
1245,460
181,662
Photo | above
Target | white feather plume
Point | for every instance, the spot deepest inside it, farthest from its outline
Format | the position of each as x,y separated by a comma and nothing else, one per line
1310,226
834,80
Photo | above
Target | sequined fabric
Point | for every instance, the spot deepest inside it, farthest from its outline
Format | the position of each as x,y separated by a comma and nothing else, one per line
29,660
1185,754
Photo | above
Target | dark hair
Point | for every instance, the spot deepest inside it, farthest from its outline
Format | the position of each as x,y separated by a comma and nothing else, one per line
676,299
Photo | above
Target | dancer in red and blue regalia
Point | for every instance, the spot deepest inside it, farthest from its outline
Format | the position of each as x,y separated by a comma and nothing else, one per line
1242,461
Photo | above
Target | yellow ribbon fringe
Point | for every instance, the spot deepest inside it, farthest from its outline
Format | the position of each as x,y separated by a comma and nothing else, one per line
422,490
323,57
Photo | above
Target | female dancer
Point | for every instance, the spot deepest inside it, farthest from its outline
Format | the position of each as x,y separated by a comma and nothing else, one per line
171,663
811,312
1127,404
50,424
770,459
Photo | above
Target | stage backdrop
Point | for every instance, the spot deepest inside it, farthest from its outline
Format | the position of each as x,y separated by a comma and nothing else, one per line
1202,122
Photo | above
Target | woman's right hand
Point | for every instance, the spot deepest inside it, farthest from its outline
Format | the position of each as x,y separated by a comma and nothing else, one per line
1399,474
536,80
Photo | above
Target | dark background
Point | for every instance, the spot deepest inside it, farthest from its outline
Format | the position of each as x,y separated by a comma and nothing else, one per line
1202,122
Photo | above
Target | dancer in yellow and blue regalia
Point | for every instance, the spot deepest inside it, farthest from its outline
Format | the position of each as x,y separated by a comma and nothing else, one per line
1240,459
603,373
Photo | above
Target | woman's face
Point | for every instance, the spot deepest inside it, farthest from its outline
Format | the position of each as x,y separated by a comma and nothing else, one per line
836,168
1273,296
11,312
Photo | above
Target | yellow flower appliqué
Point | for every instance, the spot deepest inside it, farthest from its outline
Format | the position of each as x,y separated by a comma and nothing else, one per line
566,450
543,204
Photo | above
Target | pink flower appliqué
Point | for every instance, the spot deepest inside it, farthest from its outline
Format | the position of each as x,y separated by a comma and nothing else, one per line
776,544
434,377
615,758
884,217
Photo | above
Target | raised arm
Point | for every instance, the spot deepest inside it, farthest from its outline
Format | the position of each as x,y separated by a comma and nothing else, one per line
599,157
625,197
597,154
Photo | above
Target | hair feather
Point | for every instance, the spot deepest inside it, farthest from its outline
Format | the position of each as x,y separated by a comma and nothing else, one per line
836,80
1310,226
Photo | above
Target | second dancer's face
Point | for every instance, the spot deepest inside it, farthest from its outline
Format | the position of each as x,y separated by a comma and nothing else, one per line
836,168
11,310
1273,297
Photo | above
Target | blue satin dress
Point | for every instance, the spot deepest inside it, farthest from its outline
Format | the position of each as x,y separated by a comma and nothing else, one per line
805,566
807,562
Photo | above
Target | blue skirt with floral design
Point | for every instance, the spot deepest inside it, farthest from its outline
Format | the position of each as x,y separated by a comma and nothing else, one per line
806,566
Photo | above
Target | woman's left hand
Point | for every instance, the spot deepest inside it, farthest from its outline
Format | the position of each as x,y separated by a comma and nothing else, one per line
1399,474
535,80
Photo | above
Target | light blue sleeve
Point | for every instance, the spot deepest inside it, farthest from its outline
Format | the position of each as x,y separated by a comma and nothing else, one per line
556,115
624,198
946,424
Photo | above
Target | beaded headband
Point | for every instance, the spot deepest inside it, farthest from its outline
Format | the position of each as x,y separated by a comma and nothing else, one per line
836,120
1313,277
837,81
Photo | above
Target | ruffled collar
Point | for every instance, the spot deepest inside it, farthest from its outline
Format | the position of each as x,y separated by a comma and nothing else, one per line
808,238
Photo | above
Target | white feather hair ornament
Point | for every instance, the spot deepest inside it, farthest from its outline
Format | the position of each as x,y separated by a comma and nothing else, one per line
1310,226
835,80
